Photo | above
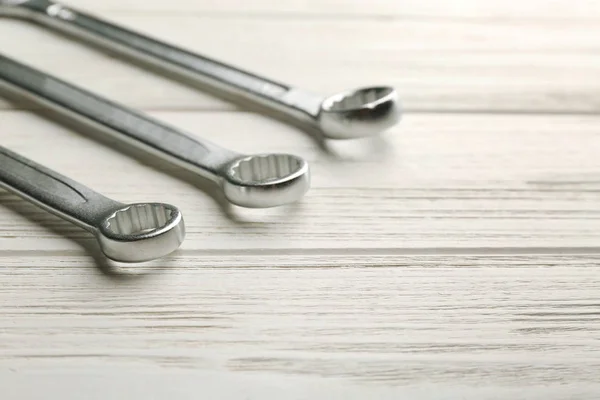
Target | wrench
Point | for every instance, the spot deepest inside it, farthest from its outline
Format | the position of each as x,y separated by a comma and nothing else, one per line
351,114
254,181
126,232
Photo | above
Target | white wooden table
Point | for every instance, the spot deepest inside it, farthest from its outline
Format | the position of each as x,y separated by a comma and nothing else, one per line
456,257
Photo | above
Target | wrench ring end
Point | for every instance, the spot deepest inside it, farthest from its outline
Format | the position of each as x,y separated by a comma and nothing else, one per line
359,113
141,232
266,180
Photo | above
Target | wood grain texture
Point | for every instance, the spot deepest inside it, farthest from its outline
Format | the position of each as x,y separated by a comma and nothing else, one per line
436,65
422,326
456,257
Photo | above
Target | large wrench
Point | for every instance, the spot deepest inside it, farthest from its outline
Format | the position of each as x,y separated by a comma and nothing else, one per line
263,180
356,113
127,233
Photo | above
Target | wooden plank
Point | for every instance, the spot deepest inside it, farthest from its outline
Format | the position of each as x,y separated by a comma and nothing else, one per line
555,9
437,65
489,327
436,182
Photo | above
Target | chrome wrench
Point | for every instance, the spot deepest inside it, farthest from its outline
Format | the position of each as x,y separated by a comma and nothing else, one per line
255,181
127,233
351,114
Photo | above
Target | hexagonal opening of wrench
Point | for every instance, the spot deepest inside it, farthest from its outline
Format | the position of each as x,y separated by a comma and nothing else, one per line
138,219
264,168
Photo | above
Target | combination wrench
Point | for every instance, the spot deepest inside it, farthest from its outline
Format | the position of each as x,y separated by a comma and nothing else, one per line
253,181
126,232
351,114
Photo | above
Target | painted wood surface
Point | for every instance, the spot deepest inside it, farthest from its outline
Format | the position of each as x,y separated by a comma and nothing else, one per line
455,257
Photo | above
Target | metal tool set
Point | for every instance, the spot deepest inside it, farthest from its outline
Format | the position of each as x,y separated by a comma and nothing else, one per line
141,232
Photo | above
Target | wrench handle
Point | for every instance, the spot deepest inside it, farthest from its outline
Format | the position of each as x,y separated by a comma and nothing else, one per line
52,191
220,77
127,125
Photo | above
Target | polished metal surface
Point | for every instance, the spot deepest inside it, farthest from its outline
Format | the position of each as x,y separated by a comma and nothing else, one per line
127,233
352,114
255,181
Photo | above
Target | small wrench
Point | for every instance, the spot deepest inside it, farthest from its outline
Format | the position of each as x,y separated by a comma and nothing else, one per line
351,114
126,232
255,181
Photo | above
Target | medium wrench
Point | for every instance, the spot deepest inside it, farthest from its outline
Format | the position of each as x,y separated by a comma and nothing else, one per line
351,114
126,232
255,181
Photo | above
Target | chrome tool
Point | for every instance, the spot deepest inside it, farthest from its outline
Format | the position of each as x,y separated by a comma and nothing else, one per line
126,232
254,181
351,114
